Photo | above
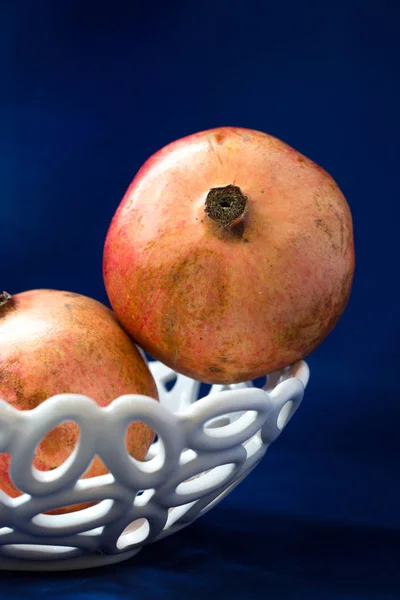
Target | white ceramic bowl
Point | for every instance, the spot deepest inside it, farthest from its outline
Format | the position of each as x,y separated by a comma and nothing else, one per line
204,448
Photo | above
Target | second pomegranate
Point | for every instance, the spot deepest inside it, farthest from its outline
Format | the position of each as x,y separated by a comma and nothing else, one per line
231,255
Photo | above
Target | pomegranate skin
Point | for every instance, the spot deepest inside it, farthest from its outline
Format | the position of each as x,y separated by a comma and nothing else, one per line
53,342
229,304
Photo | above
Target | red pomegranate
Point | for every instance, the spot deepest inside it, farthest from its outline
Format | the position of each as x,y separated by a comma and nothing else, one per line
231,255
53,342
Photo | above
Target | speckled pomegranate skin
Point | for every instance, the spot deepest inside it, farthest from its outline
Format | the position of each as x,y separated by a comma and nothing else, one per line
53,342
215,305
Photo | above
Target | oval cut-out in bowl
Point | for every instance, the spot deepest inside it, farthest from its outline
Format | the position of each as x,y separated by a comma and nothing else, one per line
57,446
234,425
151,454
170,382
138,439
177,513
143,497
253,445
135,533
206,479
218,422
284,414
91,511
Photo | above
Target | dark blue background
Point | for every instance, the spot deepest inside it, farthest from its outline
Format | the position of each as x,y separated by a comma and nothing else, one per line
87,94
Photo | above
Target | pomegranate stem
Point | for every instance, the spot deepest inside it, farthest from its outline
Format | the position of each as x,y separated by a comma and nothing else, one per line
226,205
4,298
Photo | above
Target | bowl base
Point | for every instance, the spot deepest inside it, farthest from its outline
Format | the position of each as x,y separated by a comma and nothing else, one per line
77,563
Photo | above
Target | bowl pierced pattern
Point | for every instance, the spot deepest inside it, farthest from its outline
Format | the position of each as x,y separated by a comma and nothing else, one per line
204,448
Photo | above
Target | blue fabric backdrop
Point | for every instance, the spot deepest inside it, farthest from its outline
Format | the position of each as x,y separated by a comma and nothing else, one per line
88,92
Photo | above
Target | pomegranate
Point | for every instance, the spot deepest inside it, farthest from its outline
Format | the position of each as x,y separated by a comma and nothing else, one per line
53,342
231,255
